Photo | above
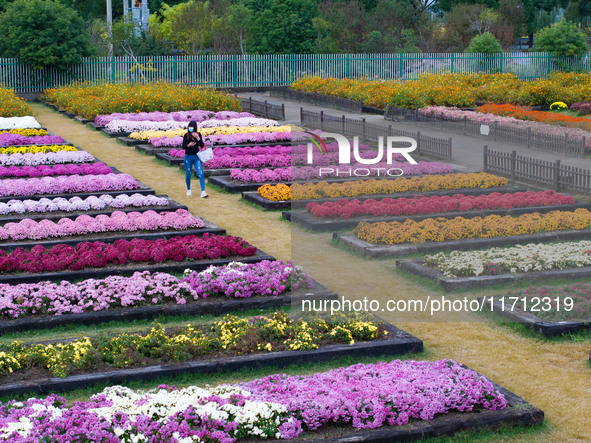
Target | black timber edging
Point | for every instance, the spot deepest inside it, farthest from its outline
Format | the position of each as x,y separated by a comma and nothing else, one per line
310,221
170,267
172,161
113,134
544,327
299,204
393,251
130,141
254,197
54,216
144,190
417,267
151,150
203,306
111,237
94,126
400,343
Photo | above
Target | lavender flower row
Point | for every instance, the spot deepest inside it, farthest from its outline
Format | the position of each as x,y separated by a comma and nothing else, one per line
60,169
117,221
136,126
67,184
77,204
353,170
228,139
26,122
179,116
490,119
142,288
276,406
41,158
7,139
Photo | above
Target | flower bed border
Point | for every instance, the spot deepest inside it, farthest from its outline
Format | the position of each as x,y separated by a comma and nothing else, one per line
130,141
114,134
206,306
401,343
532,321
518,413
151,150
392,251
15,218
171,267
417,267
112,236
254,197
310,221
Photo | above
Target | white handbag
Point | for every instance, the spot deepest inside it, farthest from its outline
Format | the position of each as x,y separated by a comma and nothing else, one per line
205,155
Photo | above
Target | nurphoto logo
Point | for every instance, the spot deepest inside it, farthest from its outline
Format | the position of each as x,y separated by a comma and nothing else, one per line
388,146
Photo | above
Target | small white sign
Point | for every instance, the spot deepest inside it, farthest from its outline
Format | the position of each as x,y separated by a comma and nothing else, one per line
484,129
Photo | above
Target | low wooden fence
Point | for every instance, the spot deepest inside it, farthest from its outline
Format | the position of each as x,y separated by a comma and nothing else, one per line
427,146
546,172
342,104
560,144
263,109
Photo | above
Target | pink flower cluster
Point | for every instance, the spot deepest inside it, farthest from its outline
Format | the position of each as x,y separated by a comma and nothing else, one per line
373,395
99,254
7,139
228,139
67,184
143,288
490,119
179,116
77,204
428,205
49,158
60,169
117,221
309,172
136,126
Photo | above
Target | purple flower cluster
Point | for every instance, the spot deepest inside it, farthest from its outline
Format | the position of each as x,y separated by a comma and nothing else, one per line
77,204
59,169
67,184
247,280
143,288
117,221
179,116
370,396
41,158
7,139
280,406
228,139
309,172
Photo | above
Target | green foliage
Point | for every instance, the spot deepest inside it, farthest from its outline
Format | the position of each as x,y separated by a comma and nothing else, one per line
43,33
562,39
484,44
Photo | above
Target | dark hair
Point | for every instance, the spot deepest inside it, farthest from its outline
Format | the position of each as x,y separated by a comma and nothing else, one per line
192,124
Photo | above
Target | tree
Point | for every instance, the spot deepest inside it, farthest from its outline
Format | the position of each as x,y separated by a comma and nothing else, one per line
43,33
484,44
340,26
562,39
483,21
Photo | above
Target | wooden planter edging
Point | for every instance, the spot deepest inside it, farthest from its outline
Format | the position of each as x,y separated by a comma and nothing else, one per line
113,134
54,216
310,221
170,267
518,413
228,185
398,343
111,237
299,204
130,141
393,251
82,120
144,190
545,327
417,267
172,161
94,126
204,306
151,150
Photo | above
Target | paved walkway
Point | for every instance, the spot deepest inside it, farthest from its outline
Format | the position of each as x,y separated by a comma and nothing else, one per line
466,150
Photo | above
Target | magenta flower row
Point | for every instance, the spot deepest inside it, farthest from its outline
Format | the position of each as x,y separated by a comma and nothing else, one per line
61,169
143,288
99,254
117,221
228,139
67,184
7,139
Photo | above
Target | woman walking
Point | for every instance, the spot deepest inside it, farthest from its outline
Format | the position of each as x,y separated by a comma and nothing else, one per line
192,144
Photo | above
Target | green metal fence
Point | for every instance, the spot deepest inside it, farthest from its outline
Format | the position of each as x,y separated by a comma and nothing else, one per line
279,70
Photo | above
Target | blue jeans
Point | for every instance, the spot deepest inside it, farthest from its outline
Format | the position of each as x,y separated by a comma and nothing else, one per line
189,161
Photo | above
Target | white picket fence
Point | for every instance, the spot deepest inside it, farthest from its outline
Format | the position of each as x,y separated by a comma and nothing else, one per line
279,70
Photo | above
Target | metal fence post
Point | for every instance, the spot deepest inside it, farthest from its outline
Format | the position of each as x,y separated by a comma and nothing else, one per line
322,120
485,158
513,164
282,111
235,70
175,69
418,136
343,123
583,147
452,63
557,175
449,148
465,122
495,128
112,69
301,115
363,127
528,137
